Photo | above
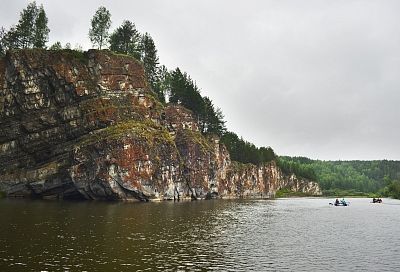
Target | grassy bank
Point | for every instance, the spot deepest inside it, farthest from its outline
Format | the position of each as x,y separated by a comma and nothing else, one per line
347,193
288,193
326,193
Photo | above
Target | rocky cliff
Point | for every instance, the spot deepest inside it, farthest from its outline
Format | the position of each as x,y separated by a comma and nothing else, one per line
86,125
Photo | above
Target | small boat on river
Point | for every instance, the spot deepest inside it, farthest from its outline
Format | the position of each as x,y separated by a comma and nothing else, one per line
338,202
376,200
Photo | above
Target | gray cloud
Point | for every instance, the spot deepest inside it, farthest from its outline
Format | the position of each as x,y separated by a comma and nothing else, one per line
318,78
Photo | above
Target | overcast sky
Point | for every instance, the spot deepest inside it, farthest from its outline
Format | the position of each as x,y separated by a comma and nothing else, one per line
315,78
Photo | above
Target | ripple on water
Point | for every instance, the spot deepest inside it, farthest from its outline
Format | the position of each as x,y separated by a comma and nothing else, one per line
288,234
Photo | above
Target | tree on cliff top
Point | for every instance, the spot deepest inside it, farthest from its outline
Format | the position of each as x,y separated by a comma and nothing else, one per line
149,58
212,119
100,24
10,39
41,36
31,30
245,152
25,27
126,39
184,91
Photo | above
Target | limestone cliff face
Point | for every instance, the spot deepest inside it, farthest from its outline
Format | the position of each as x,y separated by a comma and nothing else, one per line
77,125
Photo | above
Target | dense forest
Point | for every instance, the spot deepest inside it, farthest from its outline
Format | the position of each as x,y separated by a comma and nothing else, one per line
381,176
177,86
245,152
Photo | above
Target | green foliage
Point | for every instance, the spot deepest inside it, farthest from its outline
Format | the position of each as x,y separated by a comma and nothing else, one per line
285,192
100,24
10,40
126,40
392,189
178,86
361,176
161,86
78,47
150,61
31,30
198,138
25,30
56,46
351,192
184,91
2,45
78,55
245,152
211,118
299,169
41,31
146,130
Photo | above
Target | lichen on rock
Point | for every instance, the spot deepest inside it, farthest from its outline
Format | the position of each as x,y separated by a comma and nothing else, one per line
87,125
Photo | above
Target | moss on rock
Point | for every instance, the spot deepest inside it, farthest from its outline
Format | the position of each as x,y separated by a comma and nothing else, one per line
146,130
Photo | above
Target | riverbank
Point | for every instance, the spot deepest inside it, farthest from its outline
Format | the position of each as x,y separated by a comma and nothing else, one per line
285,193
348,193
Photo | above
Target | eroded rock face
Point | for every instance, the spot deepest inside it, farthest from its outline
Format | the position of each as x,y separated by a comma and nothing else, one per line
77,125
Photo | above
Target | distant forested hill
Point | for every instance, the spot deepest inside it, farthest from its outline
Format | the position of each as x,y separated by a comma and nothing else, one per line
363,176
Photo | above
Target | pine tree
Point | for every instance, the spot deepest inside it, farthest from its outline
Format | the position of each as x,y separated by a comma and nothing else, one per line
212,119
176,86
11,39
150,58
26,26
100,24
162,86
126,39
30,31
41,30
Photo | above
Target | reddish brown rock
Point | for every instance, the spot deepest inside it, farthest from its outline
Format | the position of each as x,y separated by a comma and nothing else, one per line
86,125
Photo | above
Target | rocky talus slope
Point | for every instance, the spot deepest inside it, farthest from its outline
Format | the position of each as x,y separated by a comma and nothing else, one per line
86,125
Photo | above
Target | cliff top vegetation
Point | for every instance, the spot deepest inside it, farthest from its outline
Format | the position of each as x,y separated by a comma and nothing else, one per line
178,87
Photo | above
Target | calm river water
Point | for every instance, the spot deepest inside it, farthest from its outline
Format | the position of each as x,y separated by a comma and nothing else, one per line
301,234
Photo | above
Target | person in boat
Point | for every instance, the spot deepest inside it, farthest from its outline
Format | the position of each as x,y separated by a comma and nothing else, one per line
337,201
376,200
344,202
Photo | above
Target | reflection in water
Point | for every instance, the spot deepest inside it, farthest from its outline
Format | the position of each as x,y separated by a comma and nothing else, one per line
291,234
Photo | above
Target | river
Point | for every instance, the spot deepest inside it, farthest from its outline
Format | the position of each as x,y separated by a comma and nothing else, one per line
297,234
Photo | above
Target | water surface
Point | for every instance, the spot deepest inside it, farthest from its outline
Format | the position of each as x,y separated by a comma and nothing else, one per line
300,234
